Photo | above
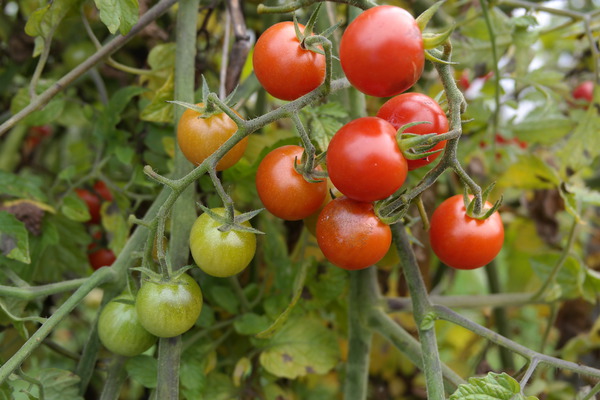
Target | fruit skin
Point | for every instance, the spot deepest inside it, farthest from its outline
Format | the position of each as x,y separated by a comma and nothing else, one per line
199,137
381,51
364,161
217,253
168,309
285,69
101,258
103,191
283,191
463,242
119,329
350,235
584,91
415,107
93,204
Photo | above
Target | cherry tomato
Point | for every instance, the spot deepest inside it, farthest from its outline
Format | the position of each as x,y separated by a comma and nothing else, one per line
93,204
119,329
199,137
103,191
350,235
101,258
311,221
364,161
219,253
285,192
584,91
381,51
283,67
168,309
463,242
416,107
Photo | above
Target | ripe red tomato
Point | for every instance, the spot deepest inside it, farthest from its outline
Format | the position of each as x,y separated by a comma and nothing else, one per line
584,91
381,51
103,191
283,67
364,161
463,242
415,107
93,204
101,258
283,191
350,235
199,137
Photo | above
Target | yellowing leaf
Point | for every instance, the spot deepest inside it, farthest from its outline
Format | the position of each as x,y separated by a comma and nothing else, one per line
529,172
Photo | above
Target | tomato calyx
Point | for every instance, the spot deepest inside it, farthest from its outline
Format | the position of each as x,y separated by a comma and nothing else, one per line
433,40
308,169
308,40
155,277
206,108
414,146
472,204
233,222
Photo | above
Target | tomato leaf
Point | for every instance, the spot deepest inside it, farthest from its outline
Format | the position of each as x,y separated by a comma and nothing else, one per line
491,387
569,280
529,172
14,239
224,297
58,383
251,324
583,145
118,15
303,346
143,369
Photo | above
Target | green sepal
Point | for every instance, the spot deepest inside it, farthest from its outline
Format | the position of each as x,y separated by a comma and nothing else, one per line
228,224
425,17
433,40
433,58
428,321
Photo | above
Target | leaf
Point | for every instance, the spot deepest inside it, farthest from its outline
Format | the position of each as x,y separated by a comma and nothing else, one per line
162,56
220,387
491,387
113,111
158,110
324,121
224,297
143,369
115,224
43,20
529,172
14,239
49,113
119,15
583,145
303,346
251,324
569,280
15,186
75,208
58,384
543,126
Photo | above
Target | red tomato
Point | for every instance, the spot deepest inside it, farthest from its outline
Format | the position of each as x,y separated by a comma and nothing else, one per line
93,204
364,161
415,107
350,235
103,191
463,242
283,67
381,51
585,91
101,258
282,190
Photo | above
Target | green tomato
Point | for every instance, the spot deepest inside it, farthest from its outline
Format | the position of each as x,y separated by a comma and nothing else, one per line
217,253
120,330
168,309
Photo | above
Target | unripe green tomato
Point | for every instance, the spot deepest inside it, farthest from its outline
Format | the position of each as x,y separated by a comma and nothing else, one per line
168,309
217,253
120,330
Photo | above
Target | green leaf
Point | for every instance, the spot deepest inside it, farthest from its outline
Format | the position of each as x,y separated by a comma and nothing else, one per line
16,186
529,172
303,346
569,280
58,384
43,20
220,387
583,145
491,387
251,324
224,297
324,121
46,115
74,208
544,126
162,56
158,110
143,369
119,15
14,239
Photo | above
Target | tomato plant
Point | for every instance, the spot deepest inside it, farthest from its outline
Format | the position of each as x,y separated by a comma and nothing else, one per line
364,161
584,91
168,309
198,137
219,253
381,51
283,66
93,204
119,329
350,235
461,241
285,192
101,258
416,107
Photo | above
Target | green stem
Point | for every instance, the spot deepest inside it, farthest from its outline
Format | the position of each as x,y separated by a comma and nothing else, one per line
296,5
169,354
363,291
422,310
114,381
471,301
500,317
490,28
445,313
34,292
